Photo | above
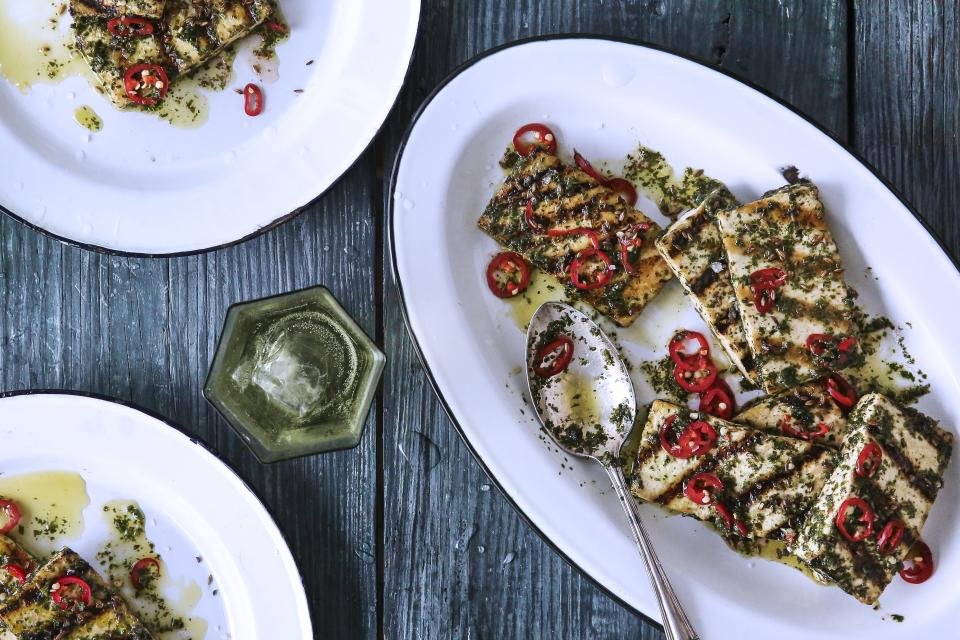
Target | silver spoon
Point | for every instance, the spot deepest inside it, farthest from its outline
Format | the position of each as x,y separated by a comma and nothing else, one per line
589,409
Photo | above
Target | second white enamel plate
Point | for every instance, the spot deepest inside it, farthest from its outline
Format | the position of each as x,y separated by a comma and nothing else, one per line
605,97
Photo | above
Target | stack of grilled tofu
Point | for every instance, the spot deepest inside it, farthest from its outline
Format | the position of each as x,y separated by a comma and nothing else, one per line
716,251
566,198
791,489
789,461
28,611
184,34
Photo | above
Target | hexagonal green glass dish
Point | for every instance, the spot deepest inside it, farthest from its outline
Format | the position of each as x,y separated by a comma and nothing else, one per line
308,331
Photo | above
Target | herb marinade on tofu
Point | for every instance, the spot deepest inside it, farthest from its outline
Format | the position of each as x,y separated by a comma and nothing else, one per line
11,553
187,34
786,229
804,406
565,197
769,481
32,614
915,454
693,249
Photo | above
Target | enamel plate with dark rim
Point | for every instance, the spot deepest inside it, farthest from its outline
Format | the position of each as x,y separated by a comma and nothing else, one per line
606,97
217,540
143,186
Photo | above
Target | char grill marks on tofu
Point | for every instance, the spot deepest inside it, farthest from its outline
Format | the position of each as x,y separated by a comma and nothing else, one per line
565,198
12,553
914,453
693,249
803,407
32,613
198,30
769,481
786,230
111,56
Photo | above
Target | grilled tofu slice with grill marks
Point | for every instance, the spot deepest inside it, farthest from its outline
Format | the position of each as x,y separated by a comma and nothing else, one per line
803,408
769,481
32,614
693,249
786,229
915,452
111,56
152,9
197,30
566,198
12,553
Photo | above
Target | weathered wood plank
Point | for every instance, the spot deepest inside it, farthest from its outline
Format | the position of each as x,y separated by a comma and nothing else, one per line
448,536
906,96
145,331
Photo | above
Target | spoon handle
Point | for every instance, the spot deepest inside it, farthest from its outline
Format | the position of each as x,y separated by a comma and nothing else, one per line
676,625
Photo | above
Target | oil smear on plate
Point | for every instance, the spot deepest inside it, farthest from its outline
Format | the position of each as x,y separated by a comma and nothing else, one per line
51,506
35,43
162,602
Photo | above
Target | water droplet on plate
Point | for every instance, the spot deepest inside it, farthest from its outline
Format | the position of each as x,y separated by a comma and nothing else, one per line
408,204
484,487
481,549
617,75
507,559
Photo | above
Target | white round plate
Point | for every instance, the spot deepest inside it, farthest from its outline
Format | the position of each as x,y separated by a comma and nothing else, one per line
604,97
195,506
143,186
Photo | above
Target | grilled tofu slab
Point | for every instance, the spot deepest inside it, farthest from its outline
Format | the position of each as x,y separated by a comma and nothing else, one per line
32,614
787,229
769,481
693,249
152,9
12,553
802,408
198,30
566,198
915,453
110,56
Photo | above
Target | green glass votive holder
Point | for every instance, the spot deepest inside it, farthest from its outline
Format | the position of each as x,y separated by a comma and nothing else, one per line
294,375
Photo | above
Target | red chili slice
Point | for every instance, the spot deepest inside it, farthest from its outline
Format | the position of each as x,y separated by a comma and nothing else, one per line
12,511
146,84
554,358
697,438
764,283
600,278
252,100
821,343
542,137
673,449
869,460
60,597
577,231
18,572
508,274
697,380
821,430
624,189
890,537
866,518
140,567
729,521
918,567
130,27
631,242
588,169
841,391
718,401
277,27
684,360
531,221
702,488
